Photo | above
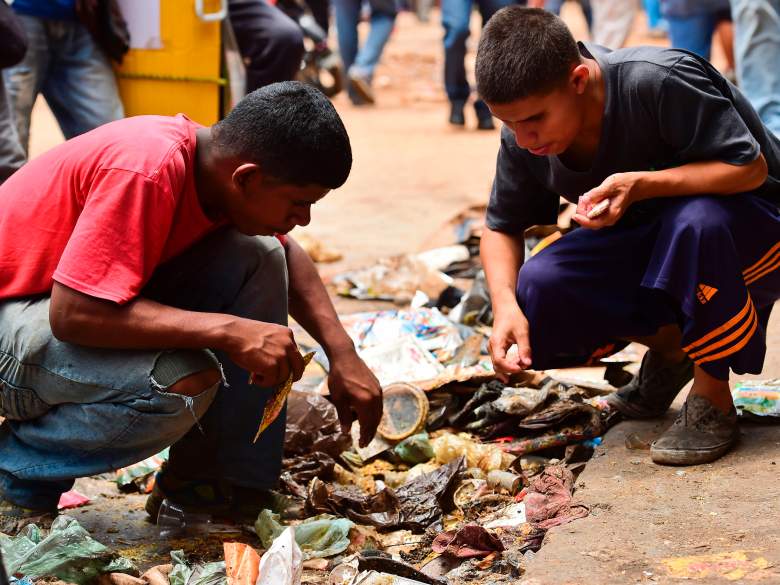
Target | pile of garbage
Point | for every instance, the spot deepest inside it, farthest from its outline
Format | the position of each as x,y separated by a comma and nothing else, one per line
462,482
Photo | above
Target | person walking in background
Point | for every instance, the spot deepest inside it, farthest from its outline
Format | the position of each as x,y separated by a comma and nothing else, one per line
65,64
613,21
455,17
656,25
270,42
693,23
555,6
12,50
360,62
756,48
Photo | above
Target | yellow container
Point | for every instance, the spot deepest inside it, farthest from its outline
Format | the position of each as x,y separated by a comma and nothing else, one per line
182,74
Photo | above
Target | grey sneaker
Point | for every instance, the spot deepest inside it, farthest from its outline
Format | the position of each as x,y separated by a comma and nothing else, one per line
360,85
701,433
652,391
13,517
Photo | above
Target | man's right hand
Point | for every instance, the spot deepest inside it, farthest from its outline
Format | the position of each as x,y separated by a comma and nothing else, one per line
510,327
265,349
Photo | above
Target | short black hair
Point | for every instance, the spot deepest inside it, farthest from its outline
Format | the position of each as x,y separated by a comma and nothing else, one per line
523,52
292,132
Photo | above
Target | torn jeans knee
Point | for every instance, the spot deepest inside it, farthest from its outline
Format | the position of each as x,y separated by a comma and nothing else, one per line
173,366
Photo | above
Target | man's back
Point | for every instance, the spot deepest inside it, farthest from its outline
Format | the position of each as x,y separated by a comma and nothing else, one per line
96,213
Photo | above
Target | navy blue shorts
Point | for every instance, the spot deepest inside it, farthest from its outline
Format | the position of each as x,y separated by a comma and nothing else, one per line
709,264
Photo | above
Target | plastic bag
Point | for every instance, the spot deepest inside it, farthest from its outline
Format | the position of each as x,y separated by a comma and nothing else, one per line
199,574
487,457
320,536
68,552
758,398
282,564
415,449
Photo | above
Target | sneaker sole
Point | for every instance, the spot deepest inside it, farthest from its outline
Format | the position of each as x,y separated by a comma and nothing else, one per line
687,456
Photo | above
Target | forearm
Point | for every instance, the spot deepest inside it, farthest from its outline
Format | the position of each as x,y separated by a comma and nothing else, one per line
709,177
310,304
502,256
140,324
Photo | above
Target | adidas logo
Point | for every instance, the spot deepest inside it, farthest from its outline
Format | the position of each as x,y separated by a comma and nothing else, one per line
704,293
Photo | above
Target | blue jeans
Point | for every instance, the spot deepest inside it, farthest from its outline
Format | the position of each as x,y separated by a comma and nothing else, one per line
12,154
75,77
74,411
692,33
756,49
361,60
455,17
654,19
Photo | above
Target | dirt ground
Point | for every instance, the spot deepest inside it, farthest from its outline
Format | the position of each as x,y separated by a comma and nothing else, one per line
411,172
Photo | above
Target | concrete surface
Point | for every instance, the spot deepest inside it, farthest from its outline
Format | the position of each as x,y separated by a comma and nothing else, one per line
647,520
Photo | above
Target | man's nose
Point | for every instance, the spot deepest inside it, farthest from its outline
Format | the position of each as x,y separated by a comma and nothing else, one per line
525,139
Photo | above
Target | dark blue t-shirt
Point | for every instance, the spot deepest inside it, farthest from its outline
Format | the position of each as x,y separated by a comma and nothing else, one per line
51,9
663,108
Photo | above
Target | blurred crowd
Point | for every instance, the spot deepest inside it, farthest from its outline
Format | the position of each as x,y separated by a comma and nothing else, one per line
63,49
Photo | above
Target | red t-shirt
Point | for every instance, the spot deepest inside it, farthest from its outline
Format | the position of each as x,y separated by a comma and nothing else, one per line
100,212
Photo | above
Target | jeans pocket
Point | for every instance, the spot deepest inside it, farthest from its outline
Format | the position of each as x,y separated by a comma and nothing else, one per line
17,403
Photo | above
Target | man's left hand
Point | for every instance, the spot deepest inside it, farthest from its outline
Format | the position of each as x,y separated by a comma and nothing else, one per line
619,189
356,393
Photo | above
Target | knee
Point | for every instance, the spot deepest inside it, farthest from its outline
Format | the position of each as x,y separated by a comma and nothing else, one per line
264,254
703,216
537,279
196,384
455,33
186,382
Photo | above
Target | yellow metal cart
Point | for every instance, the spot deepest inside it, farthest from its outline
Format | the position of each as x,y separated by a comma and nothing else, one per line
174,64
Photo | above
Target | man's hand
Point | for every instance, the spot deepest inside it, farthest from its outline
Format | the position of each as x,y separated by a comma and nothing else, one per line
265,349
356,393
619,189
510,327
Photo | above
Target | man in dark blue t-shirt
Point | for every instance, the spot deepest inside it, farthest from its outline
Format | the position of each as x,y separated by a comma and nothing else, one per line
677,183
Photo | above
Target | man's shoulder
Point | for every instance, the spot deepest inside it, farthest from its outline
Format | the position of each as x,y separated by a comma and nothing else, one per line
144,145
644,64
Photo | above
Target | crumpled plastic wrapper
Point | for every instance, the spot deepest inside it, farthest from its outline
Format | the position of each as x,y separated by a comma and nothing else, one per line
320,536
313,425
416,505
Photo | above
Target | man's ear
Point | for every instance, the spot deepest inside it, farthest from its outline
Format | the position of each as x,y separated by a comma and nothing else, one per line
579,77
245,174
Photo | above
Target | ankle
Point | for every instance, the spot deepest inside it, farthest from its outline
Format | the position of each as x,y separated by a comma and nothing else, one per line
714,390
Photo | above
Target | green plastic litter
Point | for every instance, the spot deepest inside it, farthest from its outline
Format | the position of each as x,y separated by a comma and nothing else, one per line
415,449
199,574
67,552
319,536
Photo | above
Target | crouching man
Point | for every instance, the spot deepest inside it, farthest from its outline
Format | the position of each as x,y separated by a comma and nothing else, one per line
144,272
685,255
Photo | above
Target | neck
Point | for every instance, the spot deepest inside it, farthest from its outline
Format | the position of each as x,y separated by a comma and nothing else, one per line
207,183
588,139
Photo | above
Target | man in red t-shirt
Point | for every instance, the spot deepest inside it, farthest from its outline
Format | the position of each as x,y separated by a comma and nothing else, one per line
139,273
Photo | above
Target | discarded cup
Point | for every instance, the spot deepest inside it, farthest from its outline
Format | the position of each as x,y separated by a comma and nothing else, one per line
174,521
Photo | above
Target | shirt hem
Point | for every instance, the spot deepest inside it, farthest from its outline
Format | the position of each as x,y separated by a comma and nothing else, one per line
89,290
